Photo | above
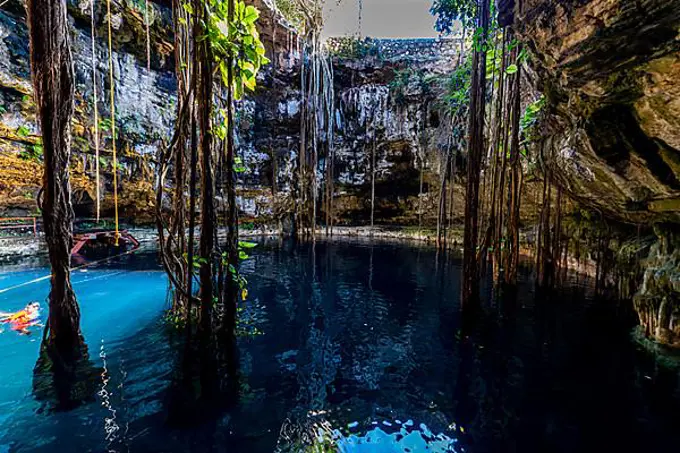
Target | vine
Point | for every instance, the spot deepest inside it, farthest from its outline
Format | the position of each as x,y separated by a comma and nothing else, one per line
213,37
239,39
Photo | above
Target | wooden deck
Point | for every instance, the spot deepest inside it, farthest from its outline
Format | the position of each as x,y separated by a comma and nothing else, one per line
103,237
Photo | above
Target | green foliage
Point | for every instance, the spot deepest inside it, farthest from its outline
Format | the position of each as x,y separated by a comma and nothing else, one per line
523,56
140,6
405,77
198,262
2,109
457,95
105,124
236,276
448,11
494,60
480,42
80,143
220,130
291,11
238,40
242,247
32,152
400,79
238,165
530,119
174,320
398,85
23,131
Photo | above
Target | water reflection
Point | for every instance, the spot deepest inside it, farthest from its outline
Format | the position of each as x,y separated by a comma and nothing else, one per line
386,436
359,341
62,384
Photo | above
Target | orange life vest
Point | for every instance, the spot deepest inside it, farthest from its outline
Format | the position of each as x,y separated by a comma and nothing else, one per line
20,317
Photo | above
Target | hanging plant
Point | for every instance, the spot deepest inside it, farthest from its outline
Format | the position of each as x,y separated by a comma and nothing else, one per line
238,39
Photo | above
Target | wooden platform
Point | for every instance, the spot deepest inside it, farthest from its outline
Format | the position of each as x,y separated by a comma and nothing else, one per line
103,239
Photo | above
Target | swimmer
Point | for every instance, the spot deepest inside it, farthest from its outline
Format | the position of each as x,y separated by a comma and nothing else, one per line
21,320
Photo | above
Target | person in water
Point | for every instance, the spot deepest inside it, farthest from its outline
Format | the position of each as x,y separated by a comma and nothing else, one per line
21,320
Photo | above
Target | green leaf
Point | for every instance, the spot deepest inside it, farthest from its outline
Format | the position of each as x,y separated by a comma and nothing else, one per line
251,14
511,69
250,83
23,131
238,90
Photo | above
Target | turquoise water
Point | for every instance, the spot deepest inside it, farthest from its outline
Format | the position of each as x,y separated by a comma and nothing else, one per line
116,304
363,350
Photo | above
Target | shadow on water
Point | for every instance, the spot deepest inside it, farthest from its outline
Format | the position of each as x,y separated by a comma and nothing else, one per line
205,382
63,385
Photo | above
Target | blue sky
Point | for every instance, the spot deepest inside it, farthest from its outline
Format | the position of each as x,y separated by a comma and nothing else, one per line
380,18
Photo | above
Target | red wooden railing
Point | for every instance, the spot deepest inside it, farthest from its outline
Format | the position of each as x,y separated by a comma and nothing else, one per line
15,223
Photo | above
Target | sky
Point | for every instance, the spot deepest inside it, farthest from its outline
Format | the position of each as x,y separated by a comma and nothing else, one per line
380,18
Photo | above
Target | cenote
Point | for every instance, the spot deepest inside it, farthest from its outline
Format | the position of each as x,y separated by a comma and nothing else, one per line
356,342
339,226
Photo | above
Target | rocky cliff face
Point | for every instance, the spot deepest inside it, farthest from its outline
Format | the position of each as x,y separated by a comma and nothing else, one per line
145,104
385,95
609,69
611,72
389,107
657,301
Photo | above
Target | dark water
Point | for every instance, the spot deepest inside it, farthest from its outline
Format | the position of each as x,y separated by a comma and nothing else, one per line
363,343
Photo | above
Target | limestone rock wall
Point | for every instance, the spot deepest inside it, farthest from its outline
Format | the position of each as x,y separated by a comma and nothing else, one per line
145,105
388,90
657,301
610,70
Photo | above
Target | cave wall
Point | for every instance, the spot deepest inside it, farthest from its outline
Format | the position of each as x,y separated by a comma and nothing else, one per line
145,106
611,72
390,89
402,115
